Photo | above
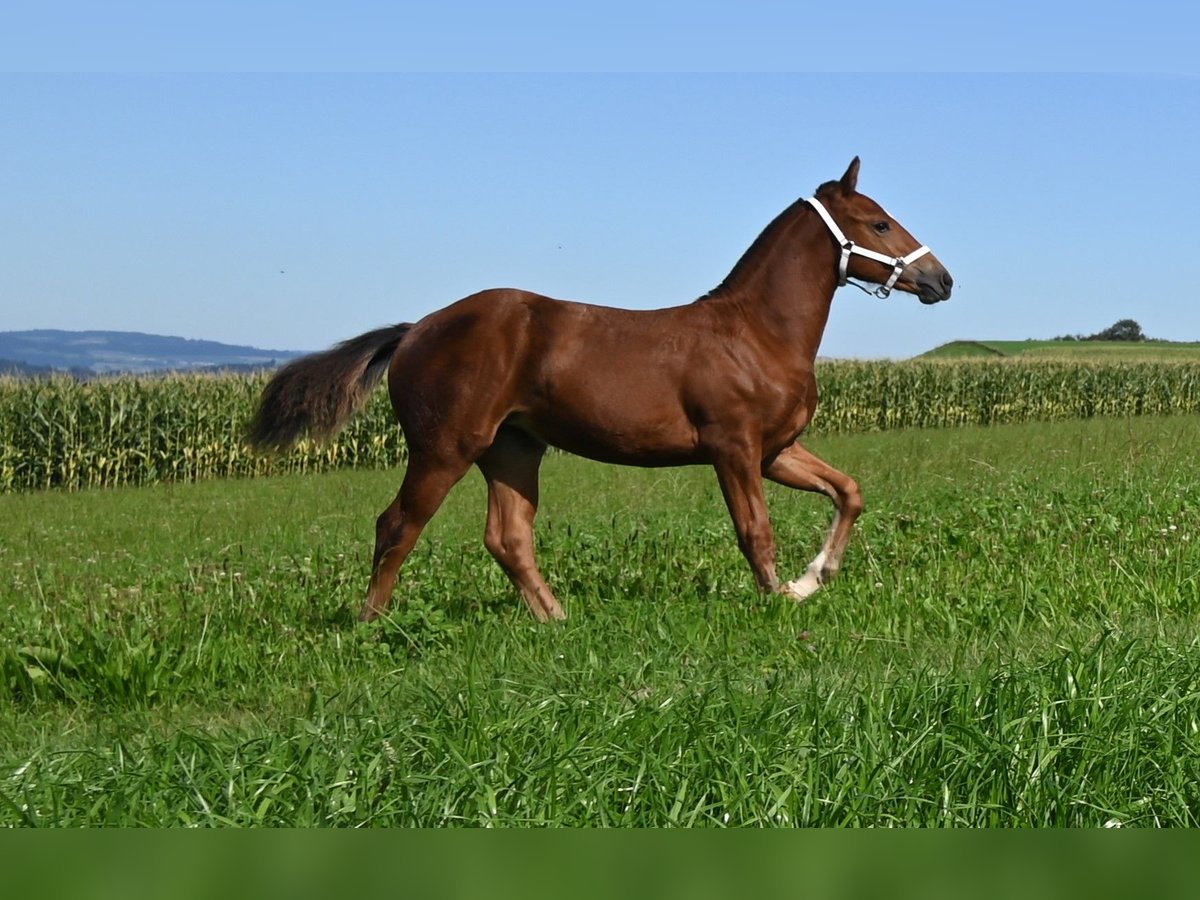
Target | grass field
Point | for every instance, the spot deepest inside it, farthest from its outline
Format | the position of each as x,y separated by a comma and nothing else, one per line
1072,351
1012,641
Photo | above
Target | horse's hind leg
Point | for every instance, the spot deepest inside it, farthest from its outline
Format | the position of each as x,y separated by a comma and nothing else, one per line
426,483
510,466
798,468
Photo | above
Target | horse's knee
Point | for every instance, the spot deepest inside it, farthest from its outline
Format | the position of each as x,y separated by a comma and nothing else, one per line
850,499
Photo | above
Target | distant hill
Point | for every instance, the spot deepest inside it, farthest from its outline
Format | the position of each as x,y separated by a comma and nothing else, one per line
86,353
1106,351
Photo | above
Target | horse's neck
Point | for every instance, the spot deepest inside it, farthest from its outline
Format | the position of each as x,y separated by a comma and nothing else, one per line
784,284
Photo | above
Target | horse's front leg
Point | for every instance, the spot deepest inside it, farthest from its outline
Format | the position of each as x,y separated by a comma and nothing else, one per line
741,485
798,468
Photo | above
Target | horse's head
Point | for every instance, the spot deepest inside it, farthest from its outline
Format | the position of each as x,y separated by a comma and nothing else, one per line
875,247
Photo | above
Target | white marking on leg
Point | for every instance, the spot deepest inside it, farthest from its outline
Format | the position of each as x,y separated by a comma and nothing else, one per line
808,583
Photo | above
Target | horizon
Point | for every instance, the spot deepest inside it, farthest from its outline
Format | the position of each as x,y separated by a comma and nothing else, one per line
35,360
149,334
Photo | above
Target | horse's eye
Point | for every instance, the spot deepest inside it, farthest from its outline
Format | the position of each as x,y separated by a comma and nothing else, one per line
882,227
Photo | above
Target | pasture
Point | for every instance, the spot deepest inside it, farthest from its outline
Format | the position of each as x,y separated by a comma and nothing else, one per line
1011,642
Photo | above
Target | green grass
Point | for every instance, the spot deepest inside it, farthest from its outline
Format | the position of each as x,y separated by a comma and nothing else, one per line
1077,351
1011,642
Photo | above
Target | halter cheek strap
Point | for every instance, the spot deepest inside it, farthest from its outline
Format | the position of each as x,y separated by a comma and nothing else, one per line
898,263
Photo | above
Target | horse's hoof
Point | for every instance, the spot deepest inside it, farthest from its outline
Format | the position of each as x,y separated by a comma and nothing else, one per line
802,588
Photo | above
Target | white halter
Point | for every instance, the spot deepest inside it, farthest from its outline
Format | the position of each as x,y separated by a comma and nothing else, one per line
898,263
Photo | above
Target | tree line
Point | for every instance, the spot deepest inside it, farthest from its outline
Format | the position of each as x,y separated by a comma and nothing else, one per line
1122,330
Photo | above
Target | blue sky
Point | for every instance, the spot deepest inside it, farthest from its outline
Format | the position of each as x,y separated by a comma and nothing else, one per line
293,208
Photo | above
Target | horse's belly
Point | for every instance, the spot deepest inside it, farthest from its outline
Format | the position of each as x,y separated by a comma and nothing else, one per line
626,443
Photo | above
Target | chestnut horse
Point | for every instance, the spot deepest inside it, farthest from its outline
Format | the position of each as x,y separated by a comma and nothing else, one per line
726,381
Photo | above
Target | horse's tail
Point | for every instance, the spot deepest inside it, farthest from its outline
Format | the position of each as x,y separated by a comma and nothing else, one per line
317,394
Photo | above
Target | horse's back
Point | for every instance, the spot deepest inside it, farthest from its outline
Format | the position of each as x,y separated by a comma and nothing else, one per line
603,382
508,327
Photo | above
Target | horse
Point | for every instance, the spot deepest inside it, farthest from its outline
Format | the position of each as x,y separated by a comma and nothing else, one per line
726,381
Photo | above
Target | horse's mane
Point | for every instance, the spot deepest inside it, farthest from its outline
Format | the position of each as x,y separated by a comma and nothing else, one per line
765,239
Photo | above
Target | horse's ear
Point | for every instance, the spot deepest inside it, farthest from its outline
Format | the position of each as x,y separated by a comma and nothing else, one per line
850,179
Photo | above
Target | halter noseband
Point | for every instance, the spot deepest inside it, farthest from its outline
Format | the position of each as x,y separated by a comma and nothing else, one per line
898,263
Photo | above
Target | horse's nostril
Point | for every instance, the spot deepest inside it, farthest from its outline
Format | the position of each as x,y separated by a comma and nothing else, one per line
947,281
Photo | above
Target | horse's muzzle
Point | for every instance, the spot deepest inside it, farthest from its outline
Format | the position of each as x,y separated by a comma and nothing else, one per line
934,286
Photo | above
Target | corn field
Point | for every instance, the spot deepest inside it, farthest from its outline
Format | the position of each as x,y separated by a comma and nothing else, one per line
137,430
62,433
880,396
